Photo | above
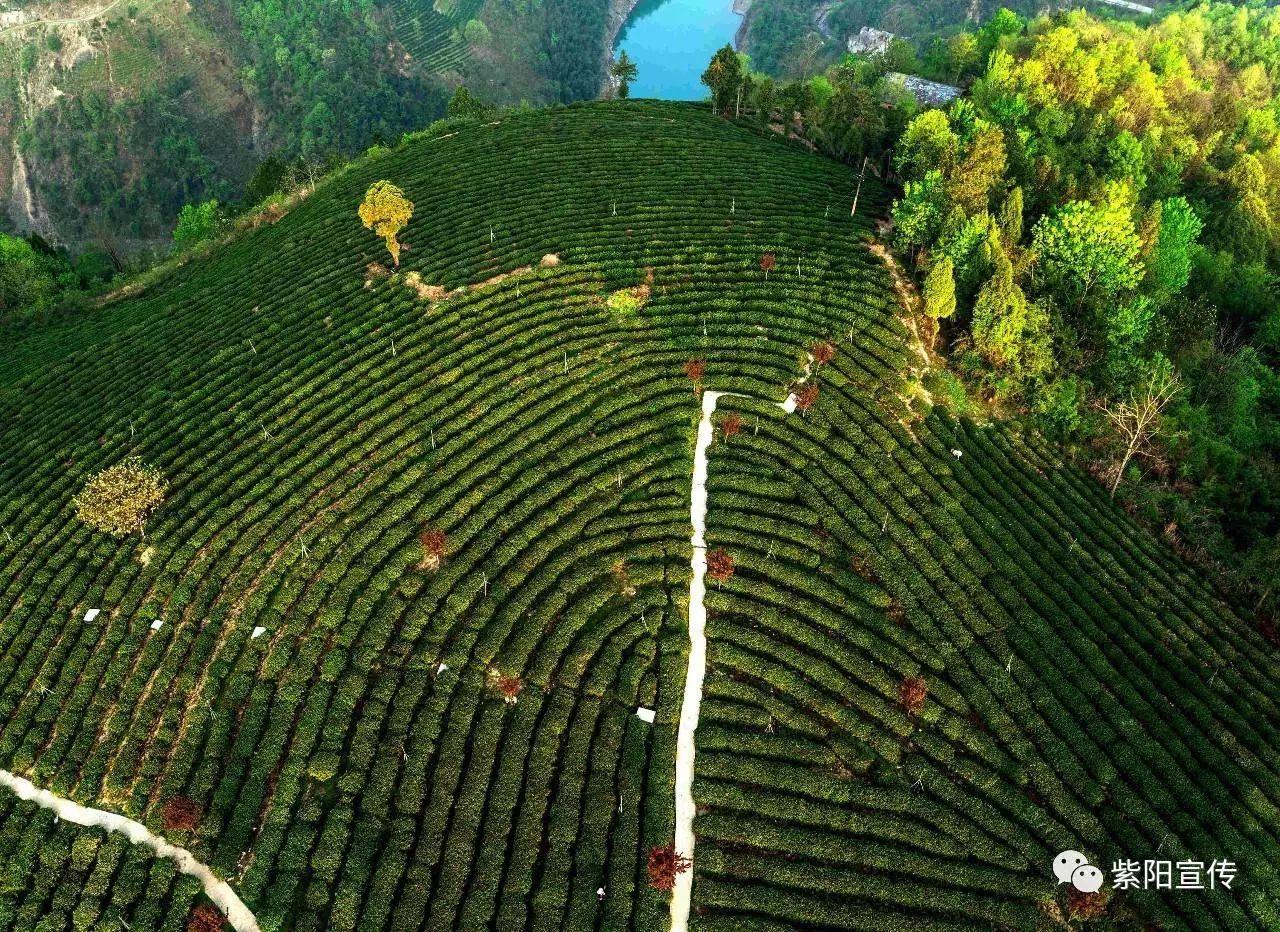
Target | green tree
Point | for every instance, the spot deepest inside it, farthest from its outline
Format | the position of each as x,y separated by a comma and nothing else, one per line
1085,247
1246,226
1126,326
1010,219
940,289
625,71
1009,331
723,76
927,144
764,98
963,240
466,105
918,214
1169,265
980,170
1003,24
197,222
962,51
27,283
476,33
268,179
1126,160
900,56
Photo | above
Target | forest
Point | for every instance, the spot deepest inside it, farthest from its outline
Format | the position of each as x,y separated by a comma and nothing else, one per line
1103,207
321,70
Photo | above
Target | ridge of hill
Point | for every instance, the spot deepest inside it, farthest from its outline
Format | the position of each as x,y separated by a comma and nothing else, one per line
358,767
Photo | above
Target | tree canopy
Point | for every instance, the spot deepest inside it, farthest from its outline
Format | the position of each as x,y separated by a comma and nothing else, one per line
120,498
386,211
1108,195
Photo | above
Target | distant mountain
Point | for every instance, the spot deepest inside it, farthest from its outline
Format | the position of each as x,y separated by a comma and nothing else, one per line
115,114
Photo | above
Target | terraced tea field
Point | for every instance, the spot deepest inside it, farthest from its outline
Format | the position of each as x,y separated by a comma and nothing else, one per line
432,37
357,765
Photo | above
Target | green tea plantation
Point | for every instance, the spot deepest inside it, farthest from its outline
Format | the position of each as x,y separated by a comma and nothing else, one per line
425,552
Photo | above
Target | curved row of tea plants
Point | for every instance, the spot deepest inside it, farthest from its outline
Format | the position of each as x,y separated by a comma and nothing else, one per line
58,876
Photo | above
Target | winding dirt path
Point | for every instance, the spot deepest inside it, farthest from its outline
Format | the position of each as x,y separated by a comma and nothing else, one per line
218,890
697,670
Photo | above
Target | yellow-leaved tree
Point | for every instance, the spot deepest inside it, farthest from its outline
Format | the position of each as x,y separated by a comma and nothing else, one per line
386,211
119,499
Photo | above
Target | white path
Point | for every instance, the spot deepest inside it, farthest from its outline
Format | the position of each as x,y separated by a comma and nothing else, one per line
692,701
241,919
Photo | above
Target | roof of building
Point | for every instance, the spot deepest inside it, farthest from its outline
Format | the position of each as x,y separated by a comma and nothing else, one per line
931,93
869,40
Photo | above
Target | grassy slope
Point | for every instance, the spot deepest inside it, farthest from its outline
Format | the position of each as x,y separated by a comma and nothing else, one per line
348,786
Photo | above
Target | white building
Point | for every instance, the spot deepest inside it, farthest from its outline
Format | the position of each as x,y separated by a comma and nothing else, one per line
870,41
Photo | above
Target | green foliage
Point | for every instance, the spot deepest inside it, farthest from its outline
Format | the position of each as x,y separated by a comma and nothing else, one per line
940,289
780,37
626,301
1058,408
1009,331
1088,248
918,214
1010,219
466,105
723,76
963,240
980,170
1127,161
928,144
624,70
108,168
27,283
573,36
198,222
1140,219
268,178
323,72
1169,264
476,33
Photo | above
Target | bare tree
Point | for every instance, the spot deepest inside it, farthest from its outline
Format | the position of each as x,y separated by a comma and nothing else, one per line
1137,418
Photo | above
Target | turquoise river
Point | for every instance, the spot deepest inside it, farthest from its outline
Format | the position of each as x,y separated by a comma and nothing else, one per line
671,42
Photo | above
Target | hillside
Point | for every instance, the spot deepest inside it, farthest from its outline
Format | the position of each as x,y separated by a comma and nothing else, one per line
118,114
355,765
